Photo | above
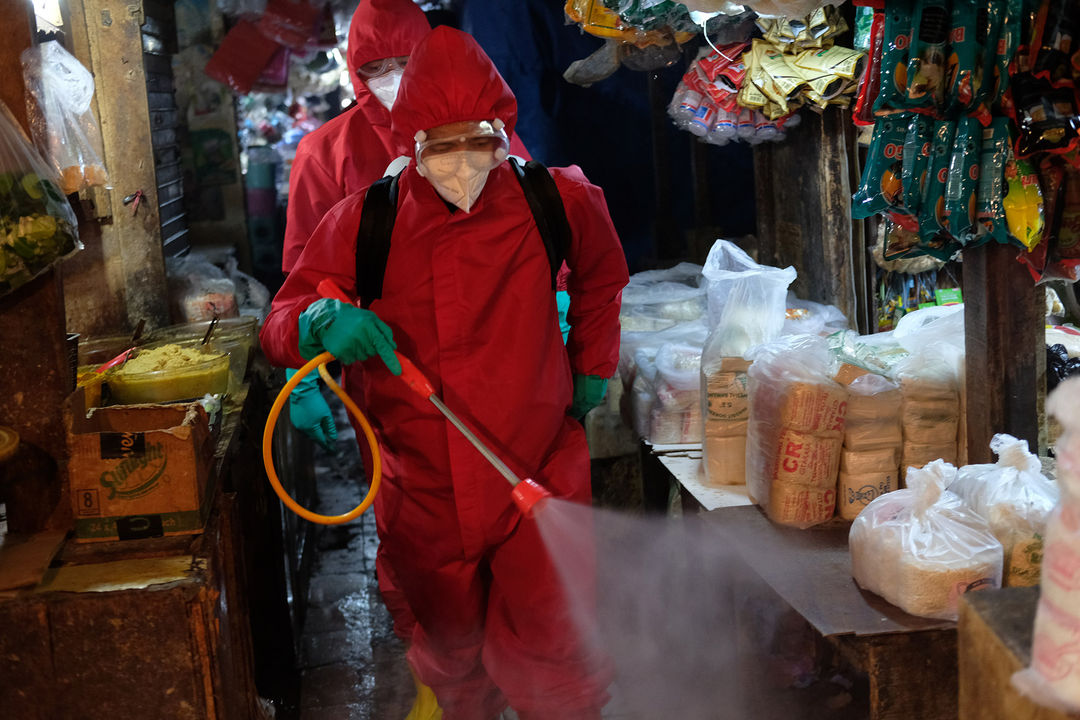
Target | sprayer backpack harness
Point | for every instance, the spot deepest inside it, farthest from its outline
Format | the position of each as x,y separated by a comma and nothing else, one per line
380,210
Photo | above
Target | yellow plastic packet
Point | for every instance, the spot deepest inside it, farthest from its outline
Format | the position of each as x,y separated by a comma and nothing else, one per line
786,80
840,61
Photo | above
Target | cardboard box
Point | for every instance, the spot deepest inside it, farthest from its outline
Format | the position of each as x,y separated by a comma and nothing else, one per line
138,471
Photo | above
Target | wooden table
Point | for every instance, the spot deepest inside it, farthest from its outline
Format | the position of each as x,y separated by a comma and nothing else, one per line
911,662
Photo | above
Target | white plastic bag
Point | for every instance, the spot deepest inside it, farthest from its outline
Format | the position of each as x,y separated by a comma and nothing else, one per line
1016,499
674,293
795,429
1054,676
922,548
870,464
63,125
676,415
747,305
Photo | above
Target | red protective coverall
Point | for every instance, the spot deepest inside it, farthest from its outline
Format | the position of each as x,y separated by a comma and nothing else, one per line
352,150
468,297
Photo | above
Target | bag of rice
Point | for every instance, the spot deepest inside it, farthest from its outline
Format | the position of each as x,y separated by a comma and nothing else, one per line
921,548
1016,499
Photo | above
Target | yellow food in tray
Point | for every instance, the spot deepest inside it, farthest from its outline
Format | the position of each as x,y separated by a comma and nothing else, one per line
170,372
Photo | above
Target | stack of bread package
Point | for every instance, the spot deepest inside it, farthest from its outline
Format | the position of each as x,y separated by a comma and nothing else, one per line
1054,676
870,460
746,308
1016,499
922,547
795,429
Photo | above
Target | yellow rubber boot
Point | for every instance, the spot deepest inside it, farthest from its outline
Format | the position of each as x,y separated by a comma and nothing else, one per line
425,706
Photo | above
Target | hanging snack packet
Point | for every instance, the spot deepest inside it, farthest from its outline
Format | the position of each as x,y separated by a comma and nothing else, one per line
1052,41
960,189
1023,202
967,38
870,83
1046,116
932,208
894,57
996,79
1068,235
899,241
839,61
917,145
926,65
881,187
990,210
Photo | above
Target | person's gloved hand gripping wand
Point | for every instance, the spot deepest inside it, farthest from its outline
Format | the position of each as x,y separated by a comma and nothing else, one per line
349,333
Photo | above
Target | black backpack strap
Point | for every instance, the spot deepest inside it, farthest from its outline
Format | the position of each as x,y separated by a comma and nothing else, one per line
548,211
373,238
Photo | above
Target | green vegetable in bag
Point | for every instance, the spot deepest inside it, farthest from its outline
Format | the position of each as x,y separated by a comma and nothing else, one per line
881,188
960,189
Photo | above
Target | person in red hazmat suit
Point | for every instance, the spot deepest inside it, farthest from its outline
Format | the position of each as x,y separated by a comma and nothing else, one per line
467,295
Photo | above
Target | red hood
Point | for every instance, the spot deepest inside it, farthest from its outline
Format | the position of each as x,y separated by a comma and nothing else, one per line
448,79
382,29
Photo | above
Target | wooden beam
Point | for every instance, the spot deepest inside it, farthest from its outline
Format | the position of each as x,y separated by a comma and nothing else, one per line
1004,314
125,282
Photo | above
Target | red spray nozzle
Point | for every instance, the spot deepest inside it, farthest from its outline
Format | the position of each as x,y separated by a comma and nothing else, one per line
527,494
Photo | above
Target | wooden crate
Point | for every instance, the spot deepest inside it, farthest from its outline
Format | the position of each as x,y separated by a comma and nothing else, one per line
995,641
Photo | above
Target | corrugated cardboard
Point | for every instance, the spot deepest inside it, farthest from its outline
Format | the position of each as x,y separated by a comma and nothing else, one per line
138,470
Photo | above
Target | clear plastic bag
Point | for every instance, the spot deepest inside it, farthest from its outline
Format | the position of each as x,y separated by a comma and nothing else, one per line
674,293
795,429
1054,676
37,224
1016,499
62,123
870,463
922,548
747,304
676,416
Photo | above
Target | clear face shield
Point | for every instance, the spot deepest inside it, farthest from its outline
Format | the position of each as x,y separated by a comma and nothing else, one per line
456,158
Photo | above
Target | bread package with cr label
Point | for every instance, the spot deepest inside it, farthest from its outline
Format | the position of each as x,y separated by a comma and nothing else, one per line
795,430
873,439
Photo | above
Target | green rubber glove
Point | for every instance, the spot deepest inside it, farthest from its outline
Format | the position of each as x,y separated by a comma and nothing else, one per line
562,302
349,333
589,391
309,412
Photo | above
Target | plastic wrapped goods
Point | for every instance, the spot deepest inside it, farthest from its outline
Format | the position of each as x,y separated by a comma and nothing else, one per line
795,430
930,408
674,293
675,416
1016,499
921,548
870,462
1054,676
746,305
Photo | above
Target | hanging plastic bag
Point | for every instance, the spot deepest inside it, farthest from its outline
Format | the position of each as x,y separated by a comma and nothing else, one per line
1054,676
37,225
1016,499
922,548
62,124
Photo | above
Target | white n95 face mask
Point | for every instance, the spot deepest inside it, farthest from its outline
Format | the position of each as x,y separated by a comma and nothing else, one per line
458,177
385,87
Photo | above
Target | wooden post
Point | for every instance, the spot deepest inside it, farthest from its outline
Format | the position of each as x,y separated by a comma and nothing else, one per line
1003,329
804,208
34,370
111,289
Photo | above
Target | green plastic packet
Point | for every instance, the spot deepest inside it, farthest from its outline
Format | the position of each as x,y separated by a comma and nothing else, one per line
926,63
880,188
962,185
894,57
932,207
917,146
990,209
1004,48
964,68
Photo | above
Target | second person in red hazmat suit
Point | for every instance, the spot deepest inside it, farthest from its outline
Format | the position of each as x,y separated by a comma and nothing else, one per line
466,294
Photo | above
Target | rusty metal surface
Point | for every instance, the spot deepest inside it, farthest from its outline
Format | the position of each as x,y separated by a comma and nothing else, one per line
811,571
